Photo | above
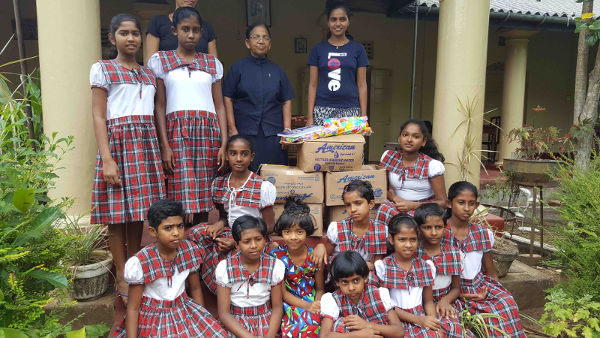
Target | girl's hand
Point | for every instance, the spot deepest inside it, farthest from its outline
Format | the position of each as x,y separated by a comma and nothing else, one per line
430,322
402,205
221,158
110,172
356,323
319,255
310,121
214,230
314,307
478,296
225,244
232,131
168,160
445,310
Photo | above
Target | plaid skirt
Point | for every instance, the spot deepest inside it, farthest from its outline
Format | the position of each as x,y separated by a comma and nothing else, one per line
134,147
211,256
498,301
181,317
321,113
450,326
195,139
255,319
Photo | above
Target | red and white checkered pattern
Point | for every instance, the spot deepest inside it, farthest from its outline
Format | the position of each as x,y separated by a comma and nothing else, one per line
210,254
188,258
115,73
248,197
385,212
370,308
372,243
498,301
134,147
236,272
478,239
392,161
450,327
395,277
255,319
181,317
195,139
170,60
447,262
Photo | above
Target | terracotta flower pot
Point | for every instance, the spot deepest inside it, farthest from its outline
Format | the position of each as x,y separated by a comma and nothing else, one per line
505,252
91,281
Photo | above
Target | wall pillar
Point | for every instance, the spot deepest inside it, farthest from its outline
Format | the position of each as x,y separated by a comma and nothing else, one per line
69,43
513,95
460,78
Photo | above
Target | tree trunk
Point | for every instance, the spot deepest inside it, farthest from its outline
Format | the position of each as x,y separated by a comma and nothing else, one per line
581,71
589,115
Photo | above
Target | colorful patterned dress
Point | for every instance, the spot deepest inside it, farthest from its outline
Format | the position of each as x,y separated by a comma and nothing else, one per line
498,300
300,282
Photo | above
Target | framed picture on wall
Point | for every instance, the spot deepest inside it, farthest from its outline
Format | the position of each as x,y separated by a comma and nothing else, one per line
300,45
258,11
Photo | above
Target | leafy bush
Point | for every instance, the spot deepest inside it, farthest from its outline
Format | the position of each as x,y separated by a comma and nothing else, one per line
578,254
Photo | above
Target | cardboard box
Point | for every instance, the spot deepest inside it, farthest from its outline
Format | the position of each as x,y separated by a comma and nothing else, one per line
337,153
335,182
316,209
291,181
338,213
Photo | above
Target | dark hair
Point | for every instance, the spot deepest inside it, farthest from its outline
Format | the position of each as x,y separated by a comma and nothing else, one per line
182,13
247,222
348,263
251,27
242,138
400,221
430,148
332,6
162,209
427,210
364,189
115,23
295,212
455,189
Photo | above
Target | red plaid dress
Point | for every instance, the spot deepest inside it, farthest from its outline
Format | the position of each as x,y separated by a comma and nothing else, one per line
210,255
446,263
255,319
195,139
370,308
499,300
248,196
134,147
181,317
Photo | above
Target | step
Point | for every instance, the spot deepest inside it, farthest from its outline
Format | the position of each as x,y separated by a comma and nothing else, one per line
527,285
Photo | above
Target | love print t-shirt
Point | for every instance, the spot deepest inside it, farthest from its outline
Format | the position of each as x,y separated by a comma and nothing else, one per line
337,73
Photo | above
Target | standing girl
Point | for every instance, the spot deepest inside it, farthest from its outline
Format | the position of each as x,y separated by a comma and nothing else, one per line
304,281
157,275
190,116
446,259
358,232
357,309
481,292
241,192
338,72
249,293
129,176
415,174
409,280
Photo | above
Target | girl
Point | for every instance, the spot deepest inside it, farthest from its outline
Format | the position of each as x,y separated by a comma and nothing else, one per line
258,98
446,284
357,309
190,116
415,174
304,281
338,72
358,232
481,292
157,275
249,293
128,176
238,193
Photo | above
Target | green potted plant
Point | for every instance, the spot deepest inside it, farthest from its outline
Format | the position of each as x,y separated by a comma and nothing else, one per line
89,261
533,144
